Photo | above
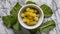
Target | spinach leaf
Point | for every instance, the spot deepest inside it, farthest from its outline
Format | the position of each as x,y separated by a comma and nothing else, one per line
30,2
47,29
11,21
47,10
17,26
44,27
47,26
15,10
6,20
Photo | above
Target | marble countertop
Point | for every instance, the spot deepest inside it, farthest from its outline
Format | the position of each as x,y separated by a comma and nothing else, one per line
7,5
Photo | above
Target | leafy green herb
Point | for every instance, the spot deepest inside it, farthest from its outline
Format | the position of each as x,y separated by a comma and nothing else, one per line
47,26
6,20
15,10
12,20
9,20
47,10
30,2
17,26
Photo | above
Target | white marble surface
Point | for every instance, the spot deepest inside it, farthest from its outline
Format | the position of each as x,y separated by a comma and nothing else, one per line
7,5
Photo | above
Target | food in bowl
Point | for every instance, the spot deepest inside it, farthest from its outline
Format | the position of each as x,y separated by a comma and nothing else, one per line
30,16
39,13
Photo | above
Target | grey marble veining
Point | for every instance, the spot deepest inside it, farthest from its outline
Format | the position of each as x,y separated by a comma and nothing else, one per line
7,5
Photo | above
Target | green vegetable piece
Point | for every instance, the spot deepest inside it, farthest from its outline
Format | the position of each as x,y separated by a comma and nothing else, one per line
17,26
6,21
15,10
47,26
47,29
44,27
47,10
14,13
30,2
9,20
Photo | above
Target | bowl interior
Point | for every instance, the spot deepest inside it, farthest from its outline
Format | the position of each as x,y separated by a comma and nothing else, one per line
40,18
33,7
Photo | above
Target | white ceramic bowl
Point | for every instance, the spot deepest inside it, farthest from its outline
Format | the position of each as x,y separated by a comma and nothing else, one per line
39,21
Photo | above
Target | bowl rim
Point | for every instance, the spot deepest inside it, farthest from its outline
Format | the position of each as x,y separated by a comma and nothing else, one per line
30,27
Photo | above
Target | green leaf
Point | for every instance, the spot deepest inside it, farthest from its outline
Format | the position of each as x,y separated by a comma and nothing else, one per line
17,26
44,27
12,20
47,29
30,2
47,26
9,20
6,21
14,13
15,10
47,10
